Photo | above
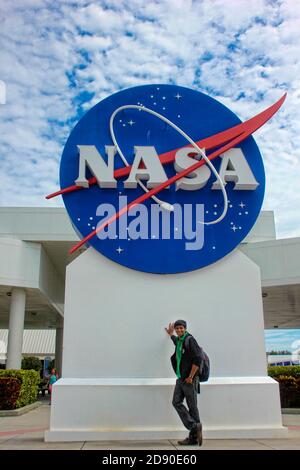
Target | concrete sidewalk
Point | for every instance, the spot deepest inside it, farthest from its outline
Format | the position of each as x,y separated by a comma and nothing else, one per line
27,432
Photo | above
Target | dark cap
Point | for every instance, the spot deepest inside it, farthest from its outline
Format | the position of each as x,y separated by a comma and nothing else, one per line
180,322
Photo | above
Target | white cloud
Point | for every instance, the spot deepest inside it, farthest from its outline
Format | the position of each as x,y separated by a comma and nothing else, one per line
246,54
281,339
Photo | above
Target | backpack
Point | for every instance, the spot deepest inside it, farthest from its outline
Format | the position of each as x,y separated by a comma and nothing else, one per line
203,371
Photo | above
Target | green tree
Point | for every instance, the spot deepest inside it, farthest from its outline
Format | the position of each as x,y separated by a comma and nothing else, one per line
31,363
279,353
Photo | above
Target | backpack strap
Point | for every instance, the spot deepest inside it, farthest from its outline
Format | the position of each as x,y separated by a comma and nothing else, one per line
187,342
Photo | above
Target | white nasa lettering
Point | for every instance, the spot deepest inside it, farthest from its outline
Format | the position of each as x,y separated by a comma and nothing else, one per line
153,171
91,158
195,180
234,167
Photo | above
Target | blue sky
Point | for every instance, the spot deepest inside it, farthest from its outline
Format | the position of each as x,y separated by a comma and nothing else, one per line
58,59
278,340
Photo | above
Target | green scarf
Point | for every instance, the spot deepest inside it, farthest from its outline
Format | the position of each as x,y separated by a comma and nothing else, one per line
179,352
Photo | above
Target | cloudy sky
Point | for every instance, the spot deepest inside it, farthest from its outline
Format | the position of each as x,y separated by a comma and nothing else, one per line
279,340
57,59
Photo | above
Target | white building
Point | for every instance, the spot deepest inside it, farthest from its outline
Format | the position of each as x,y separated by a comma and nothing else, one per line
34,246
284,359
37,343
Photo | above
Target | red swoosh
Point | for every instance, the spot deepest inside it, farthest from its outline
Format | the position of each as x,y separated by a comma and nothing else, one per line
208,143
234,138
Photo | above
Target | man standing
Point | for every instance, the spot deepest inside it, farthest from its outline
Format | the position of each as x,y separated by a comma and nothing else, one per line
186,361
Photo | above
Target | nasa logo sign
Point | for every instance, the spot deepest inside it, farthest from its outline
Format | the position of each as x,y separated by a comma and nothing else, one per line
162,178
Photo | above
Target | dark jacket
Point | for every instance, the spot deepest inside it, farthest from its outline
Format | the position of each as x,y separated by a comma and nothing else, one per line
190,355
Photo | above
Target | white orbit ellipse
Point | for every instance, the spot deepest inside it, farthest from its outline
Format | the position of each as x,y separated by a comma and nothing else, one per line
163,204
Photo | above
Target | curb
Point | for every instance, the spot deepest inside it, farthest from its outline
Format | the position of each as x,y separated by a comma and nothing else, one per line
20,411
290,411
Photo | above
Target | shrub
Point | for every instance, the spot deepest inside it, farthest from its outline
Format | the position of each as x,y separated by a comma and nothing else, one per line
31,363
29,380
288,381
289,391
9,392
290,371
288,378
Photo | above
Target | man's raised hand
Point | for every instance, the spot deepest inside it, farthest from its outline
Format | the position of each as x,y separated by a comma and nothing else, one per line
170,329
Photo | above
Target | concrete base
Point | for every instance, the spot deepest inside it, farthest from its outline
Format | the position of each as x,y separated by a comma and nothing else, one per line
117,378
141,409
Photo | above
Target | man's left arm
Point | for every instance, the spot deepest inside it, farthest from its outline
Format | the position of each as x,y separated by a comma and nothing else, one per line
190,378
195,354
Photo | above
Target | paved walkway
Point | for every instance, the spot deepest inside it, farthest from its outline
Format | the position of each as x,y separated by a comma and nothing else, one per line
27,432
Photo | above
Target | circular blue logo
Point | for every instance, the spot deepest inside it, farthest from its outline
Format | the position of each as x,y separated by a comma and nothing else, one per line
115,156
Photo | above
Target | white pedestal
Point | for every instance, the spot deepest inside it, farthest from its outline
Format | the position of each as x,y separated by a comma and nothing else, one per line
118,381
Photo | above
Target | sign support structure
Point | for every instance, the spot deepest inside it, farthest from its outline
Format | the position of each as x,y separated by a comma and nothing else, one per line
117,377
162,184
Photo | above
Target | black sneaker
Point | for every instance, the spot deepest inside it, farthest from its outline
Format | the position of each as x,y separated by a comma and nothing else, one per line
188,442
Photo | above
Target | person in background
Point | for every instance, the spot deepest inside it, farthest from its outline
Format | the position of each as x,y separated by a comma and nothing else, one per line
52,379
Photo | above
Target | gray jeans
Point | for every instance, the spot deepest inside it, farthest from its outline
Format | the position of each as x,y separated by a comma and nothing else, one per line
189,417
